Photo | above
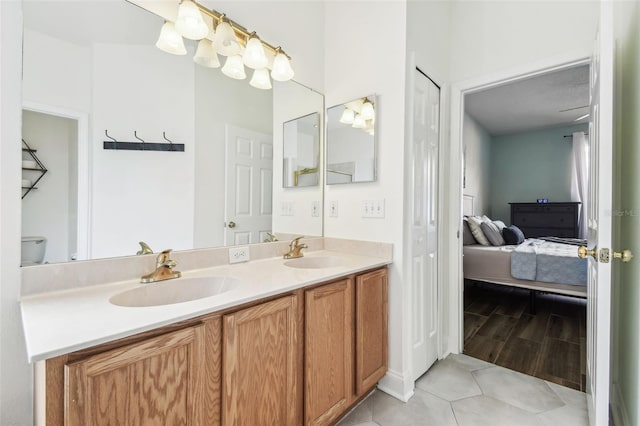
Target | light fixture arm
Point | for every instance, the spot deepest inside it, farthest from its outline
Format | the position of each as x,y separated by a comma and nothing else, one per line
241,32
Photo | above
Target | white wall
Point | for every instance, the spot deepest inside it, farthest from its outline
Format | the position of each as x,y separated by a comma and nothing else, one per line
489,36
129,95
477,150
47,210
16,402
360,60
57,73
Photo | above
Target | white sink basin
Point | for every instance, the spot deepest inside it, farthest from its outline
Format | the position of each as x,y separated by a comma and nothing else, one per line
174,291
318,262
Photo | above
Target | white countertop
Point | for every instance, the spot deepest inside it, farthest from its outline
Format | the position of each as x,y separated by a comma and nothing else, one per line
60,322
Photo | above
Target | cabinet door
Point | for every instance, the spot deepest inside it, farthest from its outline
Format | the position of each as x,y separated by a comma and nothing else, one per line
328,351
371,329
157,381
260,355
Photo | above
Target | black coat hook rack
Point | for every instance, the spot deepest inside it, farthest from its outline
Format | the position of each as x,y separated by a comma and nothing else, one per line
142,145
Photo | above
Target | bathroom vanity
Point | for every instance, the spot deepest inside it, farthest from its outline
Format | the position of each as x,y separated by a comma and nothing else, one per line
291,344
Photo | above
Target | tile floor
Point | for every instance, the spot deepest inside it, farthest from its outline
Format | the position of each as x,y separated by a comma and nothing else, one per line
461,390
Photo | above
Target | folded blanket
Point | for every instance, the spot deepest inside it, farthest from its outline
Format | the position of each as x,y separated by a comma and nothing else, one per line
538,260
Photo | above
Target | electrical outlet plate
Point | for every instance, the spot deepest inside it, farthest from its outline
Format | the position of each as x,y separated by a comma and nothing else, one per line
239,254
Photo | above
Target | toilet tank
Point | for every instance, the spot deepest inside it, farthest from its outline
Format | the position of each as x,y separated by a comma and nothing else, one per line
32,250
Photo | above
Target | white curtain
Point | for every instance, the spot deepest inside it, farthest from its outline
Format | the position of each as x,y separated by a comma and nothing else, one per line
580,179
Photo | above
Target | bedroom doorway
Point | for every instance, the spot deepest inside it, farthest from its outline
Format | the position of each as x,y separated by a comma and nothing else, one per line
599,208
519,143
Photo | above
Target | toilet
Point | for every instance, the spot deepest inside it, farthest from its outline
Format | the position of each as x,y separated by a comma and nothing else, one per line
32,251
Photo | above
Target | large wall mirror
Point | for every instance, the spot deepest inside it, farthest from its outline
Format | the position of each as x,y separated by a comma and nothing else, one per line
351,142
93,66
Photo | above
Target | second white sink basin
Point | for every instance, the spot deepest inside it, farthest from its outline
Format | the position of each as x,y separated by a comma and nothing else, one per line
317,262
174,291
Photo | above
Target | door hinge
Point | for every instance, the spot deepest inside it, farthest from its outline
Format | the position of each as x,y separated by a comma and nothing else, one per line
604,255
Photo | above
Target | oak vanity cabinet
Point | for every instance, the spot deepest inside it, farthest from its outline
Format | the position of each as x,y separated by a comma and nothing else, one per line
261,365
345,344
167,377
328,351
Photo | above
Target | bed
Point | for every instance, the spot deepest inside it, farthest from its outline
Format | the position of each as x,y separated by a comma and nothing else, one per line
493,264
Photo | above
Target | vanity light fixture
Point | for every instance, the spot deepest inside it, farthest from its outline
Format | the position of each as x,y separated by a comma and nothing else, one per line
206,55
234,68
359,122
367,111
360,114
170,41
190,23
260,79
254,56
347,116
221,36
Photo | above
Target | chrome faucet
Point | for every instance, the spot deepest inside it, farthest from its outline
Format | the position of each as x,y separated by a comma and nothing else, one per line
164,269
295,249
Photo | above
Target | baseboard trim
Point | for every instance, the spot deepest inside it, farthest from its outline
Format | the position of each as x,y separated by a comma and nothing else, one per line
618,408
397,385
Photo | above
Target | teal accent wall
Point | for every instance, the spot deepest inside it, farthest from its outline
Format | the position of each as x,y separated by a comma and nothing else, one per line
531,165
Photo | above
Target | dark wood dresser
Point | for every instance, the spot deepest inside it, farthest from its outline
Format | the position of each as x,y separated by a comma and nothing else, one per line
546,219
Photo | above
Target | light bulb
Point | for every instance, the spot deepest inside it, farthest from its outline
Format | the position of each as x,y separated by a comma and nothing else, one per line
254,56
347,116
170,41
234,68
206,55
359,122
190,23
367,111
225,41
281,68
260,79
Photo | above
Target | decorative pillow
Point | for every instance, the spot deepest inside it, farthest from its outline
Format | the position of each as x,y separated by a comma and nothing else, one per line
474,224
492,232
467,236
500,224
512,235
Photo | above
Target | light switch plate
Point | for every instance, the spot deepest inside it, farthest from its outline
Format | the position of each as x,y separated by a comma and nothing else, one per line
372,209
333,208
286,208
239,254
315,208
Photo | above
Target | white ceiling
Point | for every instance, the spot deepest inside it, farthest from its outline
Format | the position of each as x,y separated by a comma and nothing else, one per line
549,100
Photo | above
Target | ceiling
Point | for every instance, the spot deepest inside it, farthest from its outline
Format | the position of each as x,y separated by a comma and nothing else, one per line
549,100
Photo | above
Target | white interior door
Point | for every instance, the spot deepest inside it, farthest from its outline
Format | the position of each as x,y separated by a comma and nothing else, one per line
249,186
424,223
599,220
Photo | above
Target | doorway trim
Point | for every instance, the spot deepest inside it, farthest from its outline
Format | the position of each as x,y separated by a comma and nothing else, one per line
84,171
454,203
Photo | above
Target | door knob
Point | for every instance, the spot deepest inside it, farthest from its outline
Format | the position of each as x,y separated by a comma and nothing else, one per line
624,255
583,252
231,224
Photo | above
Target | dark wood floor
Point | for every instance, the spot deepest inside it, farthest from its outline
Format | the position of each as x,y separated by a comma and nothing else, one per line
551,344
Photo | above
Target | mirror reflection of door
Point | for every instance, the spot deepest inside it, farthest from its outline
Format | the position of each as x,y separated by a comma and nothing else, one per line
249,184
50,209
